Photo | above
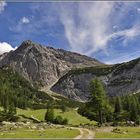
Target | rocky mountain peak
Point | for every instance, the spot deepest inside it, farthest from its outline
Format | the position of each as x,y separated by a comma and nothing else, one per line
44,65
27,43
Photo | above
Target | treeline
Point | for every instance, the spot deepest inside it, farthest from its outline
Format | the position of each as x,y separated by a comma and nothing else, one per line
18,91
117,110
15,91
126,108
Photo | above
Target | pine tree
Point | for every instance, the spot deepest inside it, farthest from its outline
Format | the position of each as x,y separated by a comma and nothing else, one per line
98,99
12,109
134,110
118,106
49,116
127,103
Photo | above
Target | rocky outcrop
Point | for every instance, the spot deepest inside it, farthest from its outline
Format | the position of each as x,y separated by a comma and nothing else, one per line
120,79
44,65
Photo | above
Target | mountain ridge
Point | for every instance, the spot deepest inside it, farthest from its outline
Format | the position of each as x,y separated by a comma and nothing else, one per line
119,79
44,65
69,74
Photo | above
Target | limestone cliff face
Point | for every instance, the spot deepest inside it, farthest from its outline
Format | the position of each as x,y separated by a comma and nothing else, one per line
120,79
44,65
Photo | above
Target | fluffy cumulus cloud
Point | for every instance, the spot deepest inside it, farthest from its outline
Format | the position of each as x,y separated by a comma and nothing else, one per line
24,20
92,28
5,47
2,6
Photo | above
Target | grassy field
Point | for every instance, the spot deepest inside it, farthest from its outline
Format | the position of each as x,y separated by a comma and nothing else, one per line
48,133
124,132
72,115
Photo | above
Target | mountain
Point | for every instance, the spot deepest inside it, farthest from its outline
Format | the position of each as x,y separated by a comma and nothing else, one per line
16,89
44,65
119,79
69,74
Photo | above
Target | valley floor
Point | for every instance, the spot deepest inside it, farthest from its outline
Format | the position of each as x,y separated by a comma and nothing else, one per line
57,131
118,132
78,127
36,132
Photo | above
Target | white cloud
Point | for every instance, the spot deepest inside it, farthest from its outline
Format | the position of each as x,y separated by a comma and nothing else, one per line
90,30
21,23
127,34
138,10
124,58
24,20
2,6
5,47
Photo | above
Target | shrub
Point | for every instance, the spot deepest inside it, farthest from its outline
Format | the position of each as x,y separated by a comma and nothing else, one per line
49,116
65,121
60,120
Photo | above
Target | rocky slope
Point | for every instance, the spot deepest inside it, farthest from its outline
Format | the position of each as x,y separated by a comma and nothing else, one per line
44,65
118,79
71,72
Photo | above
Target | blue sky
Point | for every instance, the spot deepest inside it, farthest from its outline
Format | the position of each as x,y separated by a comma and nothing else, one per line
108,31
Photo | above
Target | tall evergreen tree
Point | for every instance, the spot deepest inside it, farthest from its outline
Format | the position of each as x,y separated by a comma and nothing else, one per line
118,106
98,100
134,110
49,115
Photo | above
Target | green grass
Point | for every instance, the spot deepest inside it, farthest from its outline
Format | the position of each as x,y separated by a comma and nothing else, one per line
72,115
39,113
125,132
74,118
47,133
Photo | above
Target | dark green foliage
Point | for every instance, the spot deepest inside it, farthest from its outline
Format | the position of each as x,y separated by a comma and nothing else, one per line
114,109
60,120
117,105
8,113
127,108
63,108
65,121
98,101
125,66
134,110
121,81
49,116
97,70
63,101
98,107
15,89
8,117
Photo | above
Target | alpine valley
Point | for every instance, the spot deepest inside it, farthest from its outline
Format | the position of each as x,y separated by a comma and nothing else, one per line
53,93
68,74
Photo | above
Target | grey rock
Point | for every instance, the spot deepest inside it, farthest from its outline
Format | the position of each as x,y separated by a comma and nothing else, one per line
123,79
44,65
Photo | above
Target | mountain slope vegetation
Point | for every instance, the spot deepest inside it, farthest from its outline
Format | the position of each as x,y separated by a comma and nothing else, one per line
119,79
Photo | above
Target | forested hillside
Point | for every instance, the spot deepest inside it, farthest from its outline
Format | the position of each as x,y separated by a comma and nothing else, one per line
15,89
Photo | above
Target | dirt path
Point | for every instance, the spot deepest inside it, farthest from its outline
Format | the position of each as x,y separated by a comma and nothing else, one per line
85,133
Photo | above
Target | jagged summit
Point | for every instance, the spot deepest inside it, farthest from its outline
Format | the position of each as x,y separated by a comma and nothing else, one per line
44,65
27,43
